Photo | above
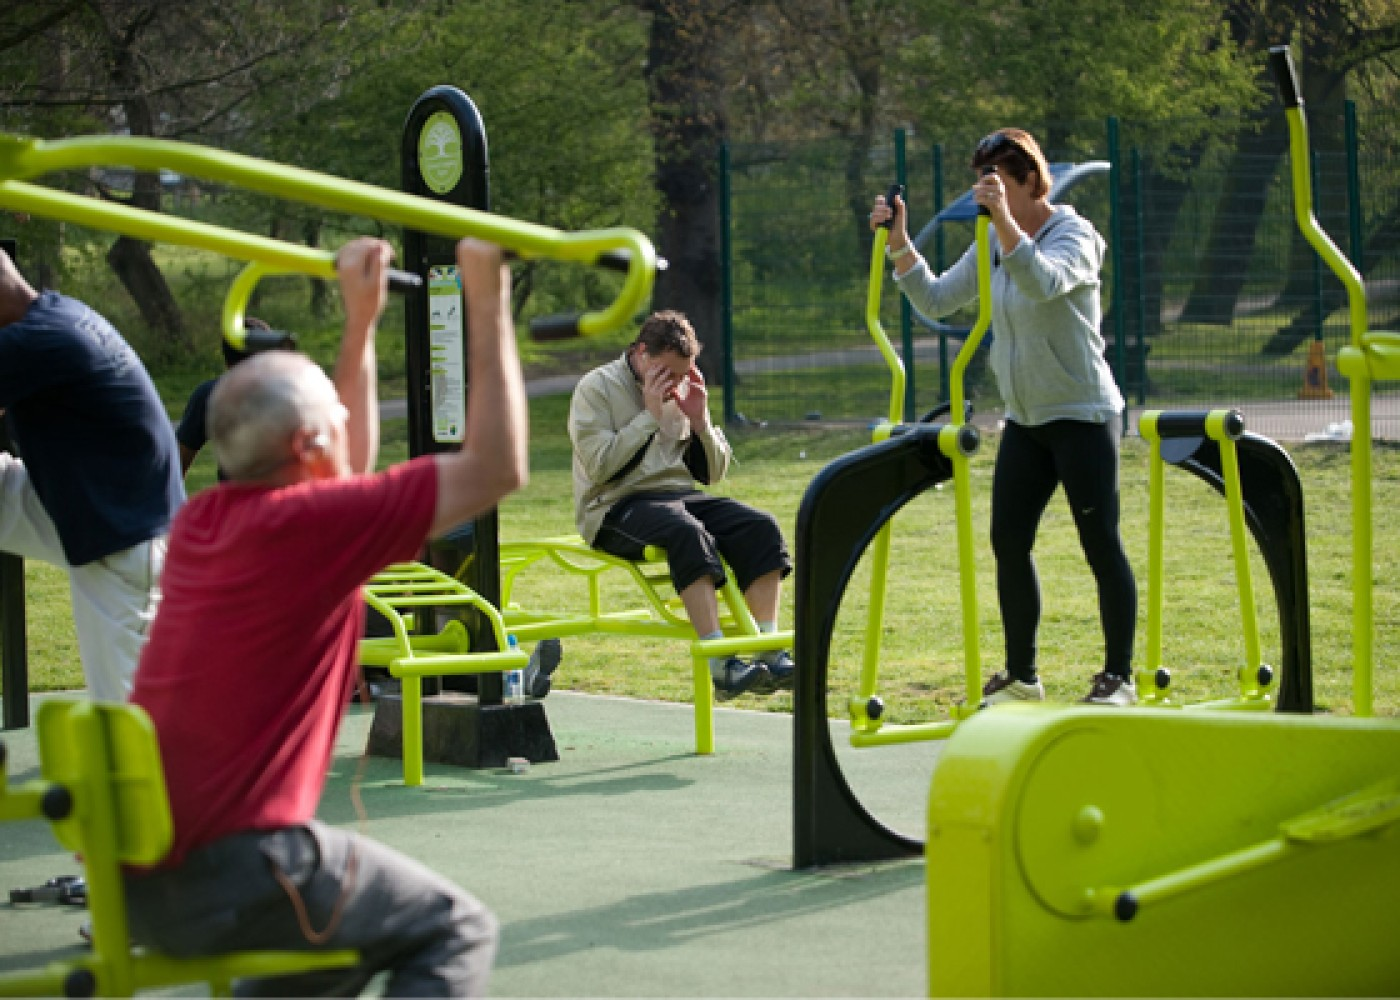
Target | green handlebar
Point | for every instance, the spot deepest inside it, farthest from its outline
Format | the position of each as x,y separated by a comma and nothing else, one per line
984,318
23,158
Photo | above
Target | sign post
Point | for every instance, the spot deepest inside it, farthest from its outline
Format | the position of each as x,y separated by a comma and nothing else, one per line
444,156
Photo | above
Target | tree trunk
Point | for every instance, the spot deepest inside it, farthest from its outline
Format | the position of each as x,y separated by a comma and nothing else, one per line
1223,266
131,261
320,289
1163,197
688,125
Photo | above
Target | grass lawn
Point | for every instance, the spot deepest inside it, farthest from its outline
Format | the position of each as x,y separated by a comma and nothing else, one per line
921,668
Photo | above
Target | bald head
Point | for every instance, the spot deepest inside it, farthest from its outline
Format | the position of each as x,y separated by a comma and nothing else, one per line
259,410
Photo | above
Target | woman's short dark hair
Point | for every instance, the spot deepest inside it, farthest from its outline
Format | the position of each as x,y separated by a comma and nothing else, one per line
668,330
1017,151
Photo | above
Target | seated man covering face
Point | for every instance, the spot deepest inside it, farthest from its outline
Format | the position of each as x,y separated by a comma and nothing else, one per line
642,440
255,650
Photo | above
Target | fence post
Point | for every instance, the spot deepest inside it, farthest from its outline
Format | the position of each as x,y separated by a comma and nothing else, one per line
938,265
906,315
726,266
1115,226
1358,238
1316,260
1139,279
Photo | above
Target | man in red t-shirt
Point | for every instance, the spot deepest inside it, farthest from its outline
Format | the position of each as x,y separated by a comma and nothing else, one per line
253,654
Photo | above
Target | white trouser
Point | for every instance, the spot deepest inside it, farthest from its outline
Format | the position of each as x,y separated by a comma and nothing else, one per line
114,599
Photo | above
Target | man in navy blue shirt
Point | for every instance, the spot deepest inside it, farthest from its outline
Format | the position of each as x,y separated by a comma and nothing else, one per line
98,480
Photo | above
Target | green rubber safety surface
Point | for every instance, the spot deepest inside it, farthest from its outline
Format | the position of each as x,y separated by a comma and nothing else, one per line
630,867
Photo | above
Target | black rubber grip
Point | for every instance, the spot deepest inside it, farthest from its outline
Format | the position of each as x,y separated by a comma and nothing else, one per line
896,191
561,327
56,803
1285,76
80,983
614,260
610,260
1192,424
268,340
983,209
1125,907
404,281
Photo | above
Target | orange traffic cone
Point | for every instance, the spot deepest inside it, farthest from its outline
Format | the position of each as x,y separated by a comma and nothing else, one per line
1315,374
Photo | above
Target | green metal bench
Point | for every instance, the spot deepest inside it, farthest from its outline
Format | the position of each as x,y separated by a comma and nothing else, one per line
657,613
404,594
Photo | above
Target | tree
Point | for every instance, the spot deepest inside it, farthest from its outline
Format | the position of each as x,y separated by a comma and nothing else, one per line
1337,38
149,69
684,88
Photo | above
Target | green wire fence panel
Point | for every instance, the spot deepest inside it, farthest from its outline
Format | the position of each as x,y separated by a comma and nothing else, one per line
1216,299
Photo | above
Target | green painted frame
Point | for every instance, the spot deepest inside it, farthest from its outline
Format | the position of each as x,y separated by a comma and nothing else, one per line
23,158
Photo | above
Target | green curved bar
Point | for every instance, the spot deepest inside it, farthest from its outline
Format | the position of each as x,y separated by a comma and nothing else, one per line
866,731
880,548
984,319
962,473
22,159
877,332
1360,377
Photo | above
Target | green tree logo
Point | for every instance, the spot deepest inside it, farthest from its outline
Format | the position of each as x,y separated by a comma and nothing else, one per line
440,152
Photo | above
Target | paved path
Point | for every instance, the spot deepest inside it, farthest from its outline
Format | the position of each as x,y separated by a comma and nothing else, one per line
1283,420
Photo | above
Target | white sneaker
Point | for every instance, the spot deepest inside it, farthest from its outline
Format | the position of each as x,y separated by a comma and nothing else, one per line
1003,687
1110,689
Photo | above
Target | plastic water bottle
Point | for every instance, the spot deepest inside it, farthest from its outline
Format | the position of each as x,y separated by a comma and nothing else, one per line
514,679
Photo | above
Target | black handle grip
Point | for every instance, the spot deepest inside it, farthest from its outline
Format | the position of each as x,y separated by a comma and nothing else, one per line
268,340
56,803
614,260
1192,424
896,191
560,327
1286,76
989,169
610,260
404,281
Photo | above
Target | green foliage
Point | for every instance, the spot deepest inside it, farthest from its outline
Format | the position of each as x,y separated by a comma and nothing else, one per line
1061,60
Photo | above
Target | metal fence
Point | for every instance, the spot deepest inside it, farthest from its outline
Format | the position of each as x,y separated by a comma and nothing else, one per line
1210,296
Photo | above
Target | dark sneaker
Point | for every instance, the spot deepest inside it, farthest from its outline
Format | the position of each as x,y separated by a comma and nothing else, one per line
1002,687
544,660
741,677
781,669
1110,689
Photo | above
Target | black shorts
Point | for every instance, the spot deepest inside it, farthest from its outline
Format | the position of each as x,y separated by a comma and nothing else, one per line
696,530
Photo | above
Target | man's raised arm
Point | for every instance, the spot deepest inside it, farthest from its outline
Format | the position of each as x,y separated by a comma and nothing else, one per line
362,266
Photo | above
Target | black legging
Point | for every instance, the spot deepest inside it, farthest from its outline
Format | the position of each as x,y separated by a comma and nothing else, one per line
1030,463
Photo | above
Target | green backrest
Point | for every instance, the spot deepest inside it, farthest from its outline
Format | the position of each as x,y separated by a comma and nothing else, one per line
82,743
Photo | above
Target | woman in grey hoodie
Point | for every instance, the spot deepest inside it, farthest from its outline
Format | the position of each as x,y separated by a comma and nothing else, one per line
1063,410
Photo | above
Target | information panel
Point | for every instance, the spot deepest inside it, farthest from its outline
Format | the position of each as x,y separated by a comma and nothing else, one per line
446,355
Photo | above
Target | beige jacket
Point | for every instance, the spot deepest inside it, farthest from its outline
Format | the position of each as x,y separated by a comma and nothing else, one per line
620,449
